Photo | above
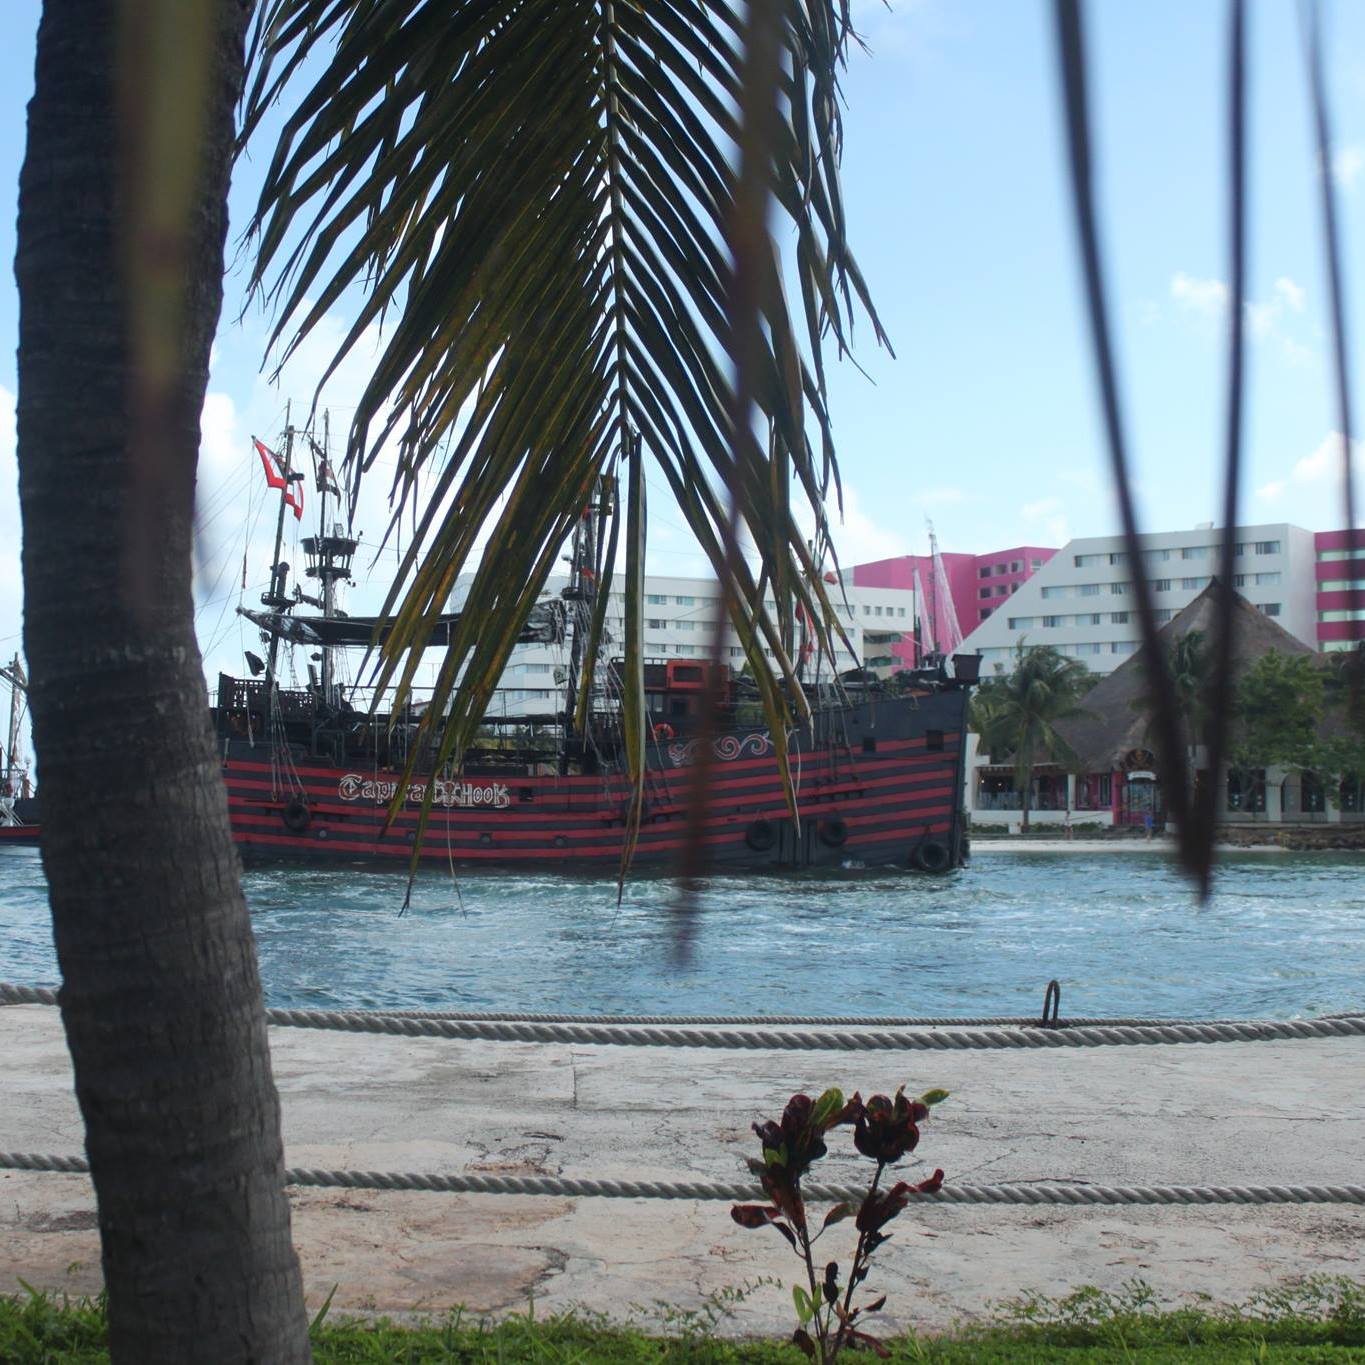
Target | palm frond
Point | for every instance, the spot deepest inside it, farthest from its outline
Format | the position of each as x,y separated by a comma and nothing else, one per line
534,197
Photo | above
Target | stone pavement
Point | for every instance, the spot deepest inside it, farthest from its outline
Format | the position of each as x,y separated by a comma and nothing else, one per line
1228,1114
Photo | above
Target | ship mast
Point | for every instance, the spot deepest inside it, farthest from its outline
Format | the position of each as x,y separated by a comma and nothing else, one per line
329,556
585,570
18,684
276,597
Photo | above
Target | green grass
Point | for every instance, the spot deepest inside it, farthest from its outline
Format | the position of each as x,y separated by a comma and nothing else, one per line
1318,1320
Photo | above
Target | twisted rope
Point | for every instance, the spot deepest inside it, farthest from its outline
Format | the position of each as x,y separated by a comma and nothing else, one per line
1075,1195
773,1040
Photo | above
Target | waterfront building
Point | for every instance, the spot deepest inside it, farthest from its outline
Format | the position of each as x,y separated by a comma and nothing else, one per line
1339,580
977,587
1116,781
1081,600
680,616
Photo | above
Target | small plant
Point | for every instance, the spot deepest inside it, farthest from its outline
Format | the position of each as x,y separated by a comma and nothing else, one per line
885,1130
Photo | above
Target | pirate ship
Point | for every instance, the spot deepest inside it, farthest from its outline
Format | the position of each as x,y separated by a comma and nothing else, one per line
313,773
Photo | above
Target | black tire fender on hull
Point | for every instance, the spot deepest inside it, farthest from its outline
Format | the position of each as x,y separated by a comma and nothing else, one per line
296,816
932,855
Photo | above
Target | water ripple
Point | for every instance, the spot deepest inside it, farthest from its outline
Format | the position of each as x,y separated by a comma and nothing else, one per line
1280,936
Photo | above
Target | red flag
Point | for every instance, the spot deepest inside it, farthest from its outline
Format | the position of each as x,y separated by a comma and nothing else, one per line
274,476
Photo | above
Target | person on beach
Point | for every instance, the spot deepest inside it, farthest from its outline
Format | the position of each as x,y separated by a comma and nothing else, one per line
1066,825
1147,823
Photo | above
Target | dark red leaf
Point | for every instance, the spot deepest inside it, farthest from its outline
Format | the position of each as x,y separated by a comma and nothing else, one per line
875,1306
753,1215
801,1338
837,1214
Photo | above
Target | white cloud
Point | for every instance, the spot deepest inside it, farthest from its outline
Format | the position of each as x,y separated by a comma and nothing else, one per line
1290,293
859,538
1317,472
1347,165
1209,297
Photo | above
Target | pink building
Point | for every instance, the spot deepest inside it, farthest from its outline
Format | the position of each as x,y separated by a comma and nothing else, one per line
1339,569
977,584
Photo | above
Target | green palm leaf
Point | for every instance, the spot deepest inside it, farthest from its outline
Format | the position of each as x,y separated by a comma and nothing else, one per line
536,196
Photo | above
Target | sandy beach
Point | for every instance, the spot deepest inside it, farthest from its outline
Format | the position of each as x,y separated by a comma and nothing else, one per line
1227,1114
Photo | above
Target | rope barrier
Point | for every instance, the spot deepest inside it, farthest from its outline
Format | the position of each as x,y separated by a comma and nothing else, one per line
876,1039
1072,1195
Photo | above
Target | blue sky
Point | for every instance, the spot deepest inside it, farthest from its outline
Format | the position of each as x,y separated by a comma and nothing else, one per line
986,418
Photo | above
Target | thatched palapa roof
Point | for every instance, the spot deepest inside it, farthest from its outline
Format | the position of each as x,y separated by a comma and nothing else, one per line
1117,723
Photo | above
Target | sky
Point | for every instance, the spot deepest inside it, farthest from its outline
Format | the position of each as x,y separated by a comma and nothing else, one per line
985,418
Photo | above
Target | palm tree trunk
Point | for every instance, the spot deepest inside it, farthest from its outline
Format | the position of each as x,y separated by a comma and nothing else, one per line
161,998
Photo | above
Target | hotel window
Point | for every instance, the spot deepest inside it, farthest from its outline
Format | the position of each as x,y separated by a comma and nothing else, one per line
1051,622
1270,608
1267,547
1339,584
985,612
1004,589
867,611
656,599
652,623
1090,590
1267,580
1021,622
1326,556
1000,568
1015,566
984,571
1239,580
1240,547
1161,585
1087,561
877,611
983,592
1049,593
1162,614
900,611
1119,589
1156,556
1194,552
1086,649
1090,619
1118,618
684,625
1194,582
1036,564
684,601
1341,615
1123,647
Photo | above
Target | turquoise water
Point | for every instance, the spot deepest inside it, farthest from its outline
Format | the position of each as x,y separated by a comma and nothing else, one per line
1283,935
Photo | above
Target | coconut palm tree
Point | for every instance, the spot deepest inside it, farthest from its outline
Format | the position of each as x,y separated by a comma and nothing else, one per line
122,221
562,207
1017,713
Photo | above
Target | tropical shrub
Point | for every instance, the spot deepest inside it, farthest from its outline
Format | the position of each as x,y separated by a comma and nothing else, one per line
885,1130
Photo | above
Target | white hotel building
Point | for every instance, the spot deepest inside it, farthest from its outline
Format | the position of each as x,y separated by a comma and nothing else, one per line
679,619
1081,601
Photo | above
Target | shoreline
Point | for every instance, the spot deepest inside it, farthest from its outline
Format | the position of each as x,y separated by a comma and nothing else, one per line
1033,844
